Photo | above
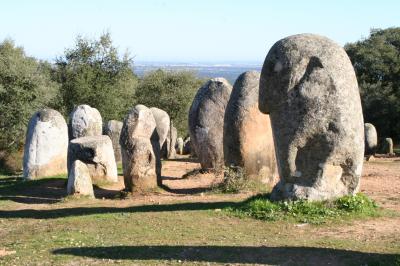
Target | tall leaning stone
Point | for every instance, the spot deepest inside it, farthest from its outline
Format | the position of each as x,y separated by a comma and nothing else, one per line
141,166
85,121
46,145
371,139
113,130
309,88
206,122
248,140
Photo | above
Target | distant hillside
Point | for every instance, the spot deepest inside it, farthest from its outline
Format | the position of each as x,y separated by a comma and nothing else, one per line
204,70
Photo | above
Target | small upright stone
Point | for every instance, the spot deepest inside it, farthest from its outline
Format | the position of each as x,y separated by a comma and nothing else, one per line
85,121
248,141
179,145
140,164
79,180
371,139
187,146
309,89
113,130
171,142
387,146
98,155
46,145
206,122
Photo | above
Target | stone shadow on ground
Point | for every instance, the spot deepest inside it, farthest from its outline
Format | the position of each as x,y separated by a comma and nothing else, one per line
41,191
82,211
234,254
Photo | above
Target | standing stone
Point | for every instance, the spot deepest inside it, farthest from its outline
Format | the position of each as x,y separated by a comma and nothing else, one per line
387,146
171,142
79,180
206,122
162,124
85,121
248,141
142,171
179,145
187,146
113,130
371,139
98,155
309,88
46,145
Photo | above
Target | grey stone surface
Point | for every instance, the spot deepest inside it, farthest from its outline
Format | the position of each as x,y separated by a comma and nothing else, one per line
162,124
248,141
46,145
179,146
85,121
139,147
79,180
371,139
309,88
187,146
171,142
113,130
206,122
387,146
98,155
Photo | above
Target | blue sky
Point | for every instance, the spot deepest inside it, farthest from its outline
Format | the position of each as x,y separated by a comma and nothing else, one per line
188,30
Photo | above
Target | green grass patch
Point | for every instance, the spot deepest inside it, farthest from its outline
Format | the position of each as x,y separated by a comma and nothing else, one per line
314,212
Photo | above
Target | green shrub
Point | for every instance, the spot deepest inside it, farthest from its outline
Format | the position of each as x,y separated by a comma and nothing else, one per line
93,73
170,91
25,87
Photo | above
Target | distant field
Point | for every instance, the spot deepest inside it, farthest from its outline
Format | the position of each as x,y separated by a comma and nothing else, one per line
208,70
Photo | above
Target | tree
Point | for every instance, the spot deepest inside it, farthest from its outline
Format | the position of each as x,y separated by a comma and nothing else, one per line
93,73
25,87
172,92
376,61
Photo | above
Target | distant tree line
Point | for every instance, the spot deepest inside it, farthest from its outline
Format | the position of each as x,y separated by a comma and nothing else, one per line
376,61
91,72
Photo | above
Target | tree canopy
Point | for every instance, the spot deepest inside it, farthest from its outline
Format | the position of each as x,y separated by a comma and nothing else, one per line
376,61
93,73
25,87
171,91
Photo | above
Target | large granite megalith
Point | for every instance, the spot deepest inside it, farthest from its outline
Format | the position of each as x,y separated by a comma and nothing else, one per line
206,122
371,139
46,145
85,121
248,141
98,154
309,89
113,130
141,166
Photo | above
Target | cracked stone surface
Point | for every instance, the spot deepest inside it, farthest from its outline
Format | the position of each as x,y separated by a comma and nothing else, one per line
248,140
98,155
309,89
85,121
46,145
140,147
206,122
